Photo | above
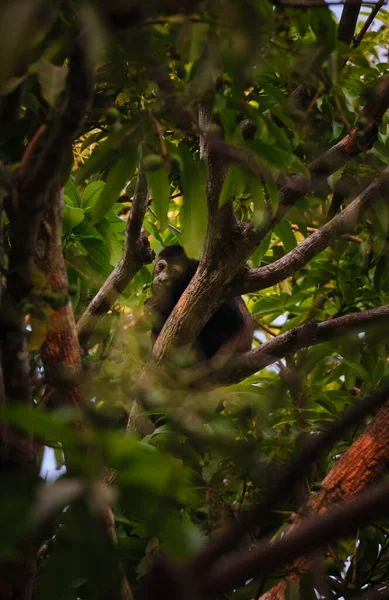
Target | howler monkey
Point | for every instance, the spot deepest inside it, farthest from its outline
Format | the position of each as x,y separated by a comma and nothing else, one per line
229,330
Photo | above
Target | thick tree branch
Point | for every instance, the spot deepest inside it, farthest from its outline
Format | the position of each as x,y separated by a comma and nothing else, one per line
40,167
365,461
263,277
44,158
137,252
296,339
39,170
348,21
316,532
228,540
220,263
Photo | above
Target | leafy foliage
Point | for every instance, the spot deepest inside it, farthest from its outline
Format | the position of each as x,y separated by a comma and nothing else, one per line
186,480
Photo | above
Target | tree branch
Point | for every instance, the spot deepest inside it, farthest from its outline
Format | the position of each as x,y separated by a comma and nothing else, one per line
44,157
316,532
229,539
258,279
39,170
348,21
368,22
137,252
360,139
296,339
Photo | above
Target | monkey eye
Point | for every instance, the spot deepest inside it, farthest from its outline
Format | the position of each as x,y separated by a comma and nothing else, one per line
160,266
176,271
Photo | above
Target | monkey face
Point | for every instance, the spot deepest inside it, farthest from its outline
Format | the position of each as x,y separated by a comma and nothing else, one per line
165,275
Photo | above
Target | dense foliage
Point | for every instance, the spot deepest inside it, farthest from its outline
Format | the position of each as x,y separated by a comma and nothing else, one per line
301,88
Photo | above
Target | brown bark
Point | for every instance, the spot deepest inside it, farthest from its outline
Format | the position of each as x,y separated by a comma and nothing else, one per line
312,534
364,462
228,244
61,351
41,163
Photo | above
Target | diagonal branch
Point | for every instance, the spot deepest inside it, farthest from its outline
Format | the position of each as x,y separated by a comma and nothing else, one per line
137,252
315,532
360,139
296,339
368,22
263,277
315,445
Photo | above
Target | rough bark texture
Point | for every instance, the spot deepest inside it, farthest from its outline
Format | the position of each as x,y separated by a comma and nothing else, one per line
61,351
364,462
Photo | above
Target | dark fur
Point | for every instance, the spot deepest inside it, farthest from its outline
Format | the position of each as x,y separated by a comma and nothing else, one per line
229,330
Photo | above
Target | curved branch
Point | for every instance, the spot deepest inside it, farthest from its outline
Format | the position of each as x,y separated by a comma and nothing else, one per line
264,277
137,252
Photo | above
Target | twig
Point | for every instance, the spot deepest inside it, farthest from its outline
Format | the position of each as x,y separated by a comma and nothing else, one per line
368,22
343,236
172,227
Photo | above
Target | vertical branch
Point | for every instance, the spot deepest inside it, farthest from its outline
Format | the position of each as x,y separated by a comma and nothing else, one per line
348,21
137,252
41,164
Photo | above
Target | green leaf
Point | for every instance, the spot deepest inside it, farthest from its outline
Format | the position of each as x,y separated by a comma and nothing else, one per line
71,191
381,209
71,217
358,369
158,181
234,184
260,252
117,178
91,194
194,208
103,155
255,189
286,235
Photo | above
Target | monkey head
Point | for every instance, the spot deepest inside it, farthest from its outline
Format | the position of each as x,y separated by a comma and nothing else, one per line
170,268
